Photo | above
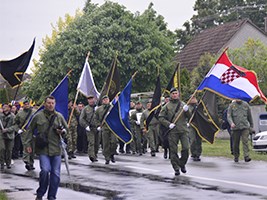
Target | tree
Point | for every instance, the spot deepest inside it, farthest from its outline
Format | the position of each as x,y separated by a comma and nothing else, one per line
212,13
142,41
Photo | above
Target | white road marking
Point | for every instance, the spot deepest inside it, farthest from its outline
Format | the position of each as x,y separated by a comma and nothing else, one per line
141,168
229,182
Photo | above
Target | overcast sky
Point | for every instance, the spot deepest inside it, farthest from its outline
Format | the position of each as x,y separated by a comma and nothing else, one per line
22,20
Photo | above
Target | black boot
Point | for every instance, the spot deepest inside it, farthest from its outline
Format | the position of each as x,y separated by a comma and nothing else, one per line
165,155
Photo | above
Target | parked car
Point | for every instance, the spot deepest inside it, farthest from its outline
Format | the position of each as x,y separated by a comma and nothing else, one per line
259,142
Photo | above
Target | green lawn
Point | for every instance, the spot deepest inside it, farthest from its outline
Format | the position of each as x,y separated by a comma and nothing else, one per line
221,148
3,196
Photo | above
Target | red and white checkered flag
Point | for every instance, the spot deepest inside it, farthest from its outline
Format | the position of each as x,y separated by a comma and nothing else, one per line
228,76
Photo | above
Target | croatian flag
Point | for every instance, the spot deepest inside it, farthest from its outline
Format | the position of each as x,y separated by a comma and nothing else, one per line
231,81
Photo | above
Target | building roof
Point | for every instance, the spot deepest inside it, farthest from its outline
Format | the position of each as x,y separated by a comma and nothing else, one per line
210,40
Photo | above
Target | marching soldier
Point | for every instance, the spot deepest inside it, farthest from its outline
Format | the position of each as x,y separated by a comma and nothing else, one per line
72,136
135,124
20,120
7,134
152,130
194,139
178,130
109,140
87,122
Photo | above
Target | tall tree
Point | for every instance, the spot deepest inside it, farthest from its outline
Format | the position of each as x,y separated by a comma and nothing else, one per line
142,41
210,13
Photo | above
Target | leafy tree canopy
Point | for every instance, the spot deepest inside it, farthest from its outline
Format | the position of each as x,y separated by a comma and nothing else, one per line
142,41
211,13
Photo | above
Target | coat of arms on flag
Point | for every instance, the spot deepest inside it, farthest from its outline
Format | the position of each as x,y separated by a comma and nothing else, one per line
230,75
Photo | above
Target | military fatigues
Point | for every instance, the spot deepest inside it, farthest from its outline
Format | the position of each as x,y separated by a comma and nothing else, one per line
109,140
20,120
194,139
136,130
72,136
7,138
87,119
239,113
152,130
178,133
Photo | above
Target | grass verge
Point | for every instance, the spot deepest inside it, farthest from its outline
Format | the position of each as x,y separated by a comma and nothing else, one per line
221,148
3,196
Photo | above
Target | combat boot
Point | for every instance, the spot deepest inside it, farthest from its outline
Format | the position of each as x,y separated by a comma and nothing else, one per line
247,159
183,169
165,155
112,159
177,172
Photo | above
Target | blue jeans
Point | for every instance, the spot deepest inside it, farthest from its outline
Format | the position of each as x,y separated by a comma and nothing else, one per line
49,175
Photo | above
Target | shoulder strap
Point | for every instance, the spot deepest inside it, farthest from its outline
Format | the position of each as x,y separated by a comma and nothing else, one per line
176,110
27,117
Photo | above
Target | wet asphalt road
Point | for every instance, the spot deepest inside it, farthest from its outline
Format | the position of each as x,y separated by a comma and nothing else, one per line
145,177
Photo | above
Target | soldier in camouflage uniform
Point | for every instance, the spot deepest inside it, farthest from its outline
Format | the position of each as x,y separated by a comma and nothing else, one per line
20,120
87,121
240,119
178,130
109,140
194,139
135,126
72,136
152,130
7,135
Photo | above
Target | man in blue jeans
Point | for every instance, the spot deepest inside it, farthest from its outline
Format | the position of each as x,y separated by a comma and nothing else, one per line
49,124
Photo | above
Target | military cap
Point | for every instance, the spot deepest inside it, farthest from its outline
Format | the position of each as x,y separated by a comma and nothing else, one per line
173,90
90,96
149,101
25,101
138,102
105,96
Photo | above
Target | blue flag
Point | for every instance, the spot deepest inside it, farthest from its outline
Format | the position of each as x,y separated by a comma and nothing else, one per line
118,118
60,93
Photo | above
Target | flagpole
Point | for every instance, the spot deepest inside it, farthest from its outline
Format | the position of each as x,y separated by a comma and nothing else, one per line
77,94
179,79
72,110
181,112
179,115
15,96
103,87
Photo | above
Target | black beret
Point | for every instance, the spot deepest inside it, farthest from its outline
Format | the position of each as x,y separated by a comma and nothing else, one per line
173,90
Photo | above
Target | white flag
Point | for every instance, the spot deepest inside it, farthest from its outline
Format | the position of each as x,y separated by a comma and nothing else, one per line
86,83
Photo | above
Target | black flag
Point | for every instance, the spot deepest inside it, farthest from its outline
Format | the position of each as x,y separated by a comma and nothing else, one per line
13,70
156,103
205,117
174,81
111,86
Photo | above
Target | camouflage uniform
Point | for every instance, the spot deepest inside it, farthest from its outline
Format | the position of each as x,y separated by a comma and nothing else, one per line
152,131
72,136
239,114
20,120
7,138
136,130
194,139
109,140
178,133
87,120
